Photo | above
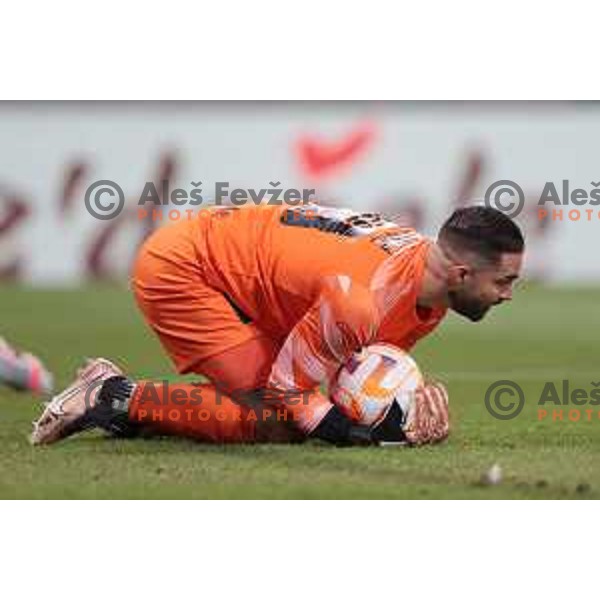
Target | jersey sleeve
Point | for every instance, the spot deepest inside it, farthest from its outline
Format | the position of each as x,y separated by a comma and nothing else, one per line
343,319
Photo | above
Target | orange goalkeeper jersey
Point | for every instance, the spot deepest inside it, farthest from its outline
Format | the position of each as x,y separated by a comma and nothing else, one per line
321,280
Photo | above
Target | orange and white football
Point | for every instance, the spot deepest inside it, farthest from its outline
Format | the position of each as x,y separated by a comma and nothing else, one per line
367,384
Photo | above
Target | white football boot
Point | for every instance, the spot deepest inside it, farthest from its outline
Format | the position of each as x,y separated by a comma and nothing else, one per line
66,413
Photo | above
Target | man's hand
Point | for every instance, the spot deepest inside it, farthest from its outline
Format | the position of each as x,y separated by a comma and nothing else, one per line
427,421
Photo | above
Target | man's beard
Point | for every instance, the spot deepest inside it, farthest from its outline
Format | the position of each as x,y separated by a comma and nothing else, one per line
472,308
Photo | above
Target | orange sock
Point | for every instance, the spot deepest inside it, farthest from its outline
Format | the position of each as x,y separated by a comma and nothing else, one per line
202,412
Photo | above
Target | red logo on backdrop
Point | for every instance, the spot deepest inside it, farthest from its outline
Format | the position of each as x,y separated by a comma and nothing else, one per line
321,158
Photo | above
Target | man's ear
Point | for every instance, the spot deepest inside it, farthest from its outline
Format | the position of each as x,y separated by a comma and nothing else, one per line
457,275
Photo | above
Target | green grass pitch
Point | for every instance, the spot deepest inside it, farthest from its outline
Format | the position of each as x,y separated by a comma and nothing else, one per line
545,334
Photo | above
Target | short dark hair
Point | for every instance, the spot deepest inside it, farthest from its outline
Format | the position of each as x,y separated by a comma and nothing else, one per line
483,231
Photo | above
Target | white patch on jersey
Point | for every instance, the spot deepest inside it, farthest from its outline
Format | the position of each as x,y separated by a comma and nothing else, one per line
345,283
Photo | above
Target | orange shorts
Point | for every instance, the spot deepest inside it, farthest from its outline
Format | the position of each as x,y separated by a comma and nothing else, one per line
197,325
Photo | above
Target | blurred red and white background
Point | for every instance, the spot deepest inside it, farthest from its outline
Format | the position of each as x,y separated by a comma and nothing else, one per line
415,160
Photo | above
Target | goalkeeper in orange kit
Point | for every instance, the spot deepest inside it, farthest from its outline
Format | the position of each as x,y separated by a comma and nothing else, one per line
269,302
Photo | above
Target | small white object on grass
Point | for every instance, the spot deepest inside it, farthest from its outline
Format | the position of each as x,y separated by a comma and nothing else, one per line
493,476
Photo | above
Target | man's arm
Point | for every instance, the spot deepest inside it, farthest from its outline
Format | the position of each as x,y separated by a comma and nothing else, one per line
342,320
